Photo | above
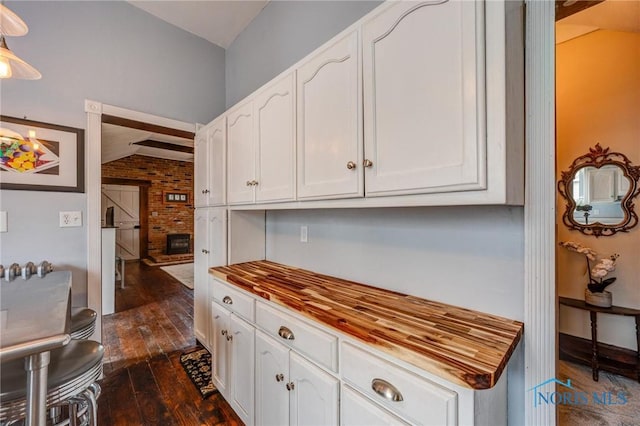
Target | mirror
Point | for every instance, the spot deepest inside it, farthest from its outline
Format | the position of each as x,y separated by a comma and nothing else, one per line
599,188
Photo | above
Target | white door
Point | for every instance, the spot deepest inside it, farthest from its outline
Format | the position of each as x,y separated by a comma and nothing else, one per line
217,238
272,375
241,154
357,410
241,340
201,275
329,122
424,98
125,199
217,141
220,348
201,169
314,396
274,120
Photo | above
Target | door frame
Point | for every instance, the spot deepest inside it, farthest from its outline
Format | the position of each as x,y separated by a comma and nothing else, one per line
143,208
93,179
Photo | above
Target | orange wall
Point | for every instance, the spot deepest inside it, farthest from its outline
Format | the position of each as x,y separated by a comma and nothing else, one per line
598,101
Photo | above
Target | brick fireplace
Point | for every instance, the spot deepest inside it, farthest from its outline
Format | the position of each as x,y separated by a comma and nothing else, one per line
178,243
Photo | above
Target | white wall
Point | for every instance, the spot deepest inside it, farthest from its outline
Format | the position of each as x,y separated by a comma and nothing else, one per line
282,34
467,256
110,52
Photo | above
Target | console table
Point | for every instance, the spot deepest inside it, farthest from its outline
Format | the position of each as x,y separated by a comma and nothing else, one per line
593,312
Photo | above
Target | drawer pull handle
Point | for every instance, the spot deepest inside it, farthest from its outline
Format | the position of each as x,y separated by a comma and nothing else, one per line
285,333
290,386
227,300
279,377
386,390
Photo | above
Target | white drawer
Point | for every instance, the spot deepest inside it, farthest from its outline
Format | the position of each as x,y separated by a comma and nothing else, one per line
314,343
358,410
423,402
234,300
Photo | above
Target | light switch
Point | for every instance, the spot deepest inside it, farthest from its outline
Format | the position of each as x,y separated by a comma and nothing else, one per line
304,234
3,222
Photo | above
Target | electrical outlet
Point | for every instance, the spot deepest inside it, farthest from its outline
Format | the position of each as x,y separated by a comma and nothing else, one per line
70,219
304,234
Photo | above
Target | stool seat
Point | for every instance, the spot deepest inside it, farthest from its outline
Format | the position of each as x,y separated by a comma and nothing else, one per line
72,369
82,318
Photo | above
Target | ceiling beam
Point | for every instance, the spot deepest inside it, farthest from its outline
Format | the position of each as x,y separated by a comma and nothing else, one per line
563,11
165,145
133,124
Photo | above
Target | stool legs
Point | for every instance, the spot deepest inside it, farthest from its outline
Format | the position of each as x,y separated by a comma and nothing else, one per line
37,367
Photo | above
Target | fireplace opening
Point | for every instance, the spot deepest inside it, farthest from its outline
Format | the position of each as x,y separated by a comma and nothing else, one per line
178,243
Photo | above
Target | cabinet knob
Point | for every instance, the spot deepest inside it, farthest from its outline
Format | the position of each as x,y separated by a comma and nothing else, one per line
249,183
290,386
351,165
386,390
223,332
227,300
229,337
205,191
285,333
255,183
367,163
205,251
279,377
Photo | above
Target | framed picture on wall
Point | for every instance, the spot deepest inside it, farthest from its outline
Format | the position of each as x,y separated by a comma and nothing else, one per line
36,156
172,197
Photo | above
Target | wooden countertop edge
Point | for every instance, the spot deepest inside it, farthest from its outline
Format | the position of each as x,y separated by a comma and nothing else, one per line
450,370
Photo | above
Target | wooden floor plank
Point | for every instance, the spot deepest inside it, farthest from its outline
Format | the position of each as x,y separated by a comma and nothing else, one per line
144,382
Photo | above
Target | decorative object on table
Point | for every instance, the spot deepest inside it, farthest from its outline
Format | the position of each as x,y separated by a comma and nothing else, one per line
599,189
11,66
595,293
40,156
197,364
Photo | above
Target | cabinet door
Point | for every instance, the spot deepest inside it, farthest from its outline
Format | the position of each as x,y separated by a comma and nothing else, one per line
217,238
424,98
315,394
274,120
356,410
242,355
200,168
220,359
201,276
241,154
329,122
217,141
272,375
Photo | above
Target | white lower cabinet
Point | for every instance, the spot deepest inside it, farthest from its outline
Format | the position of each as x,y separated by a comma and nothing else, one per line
356,410
233,362
291,390
277,367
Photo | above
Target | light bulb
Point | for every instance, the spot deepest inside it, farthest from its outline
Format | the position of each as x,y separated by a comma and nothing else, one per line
5,68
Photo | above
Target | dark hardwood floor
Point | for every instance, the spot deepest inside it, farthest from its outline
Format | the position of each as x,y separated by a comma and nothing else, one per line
144,383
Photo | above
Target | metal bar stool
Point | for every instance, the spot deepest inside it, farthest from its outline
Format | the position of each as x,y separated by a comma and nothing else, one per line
73,371
83,323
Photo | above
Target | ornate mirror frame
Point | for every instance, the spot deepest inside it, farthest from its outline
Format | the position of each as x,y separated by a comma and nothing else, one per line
598,157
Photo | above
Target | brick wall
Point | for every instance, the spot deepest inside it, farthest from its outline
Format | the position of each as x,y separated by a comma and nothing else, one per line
165,175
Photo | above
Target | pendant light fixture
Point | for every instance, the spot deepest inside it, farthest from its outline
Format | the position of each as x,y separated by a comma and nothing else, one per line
11,66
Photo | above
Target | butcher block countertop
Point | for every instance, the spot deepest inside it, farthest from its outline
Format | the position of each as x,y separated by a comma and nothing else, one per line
460,345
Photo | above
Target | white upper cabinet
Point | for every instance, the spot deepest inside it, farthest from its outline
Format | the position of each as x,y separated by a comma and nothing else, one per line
217,141
329,122
274,119
201,168
210,164
241,154
424,98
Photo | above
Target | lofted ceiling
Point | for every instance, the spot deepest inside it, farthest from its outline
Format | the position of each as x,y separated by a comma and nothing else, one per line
616,15
218,21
